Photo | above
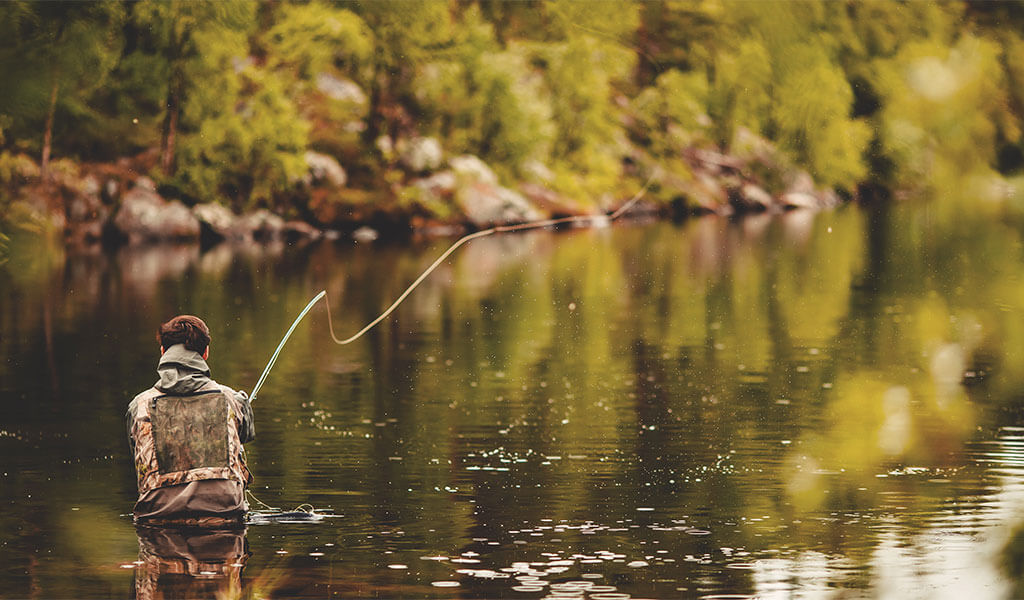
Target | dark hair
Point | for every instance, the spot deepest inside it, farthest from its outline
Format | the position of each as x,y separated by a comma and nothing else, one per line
185,329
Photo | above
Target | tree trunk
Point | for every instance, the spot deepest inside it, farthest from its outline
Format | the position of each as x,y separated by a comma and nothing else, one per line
48,132
170,127
373,120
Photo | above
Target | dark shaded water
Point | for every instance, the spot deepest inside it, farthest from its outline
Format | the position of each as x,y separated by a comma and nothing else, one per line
792,407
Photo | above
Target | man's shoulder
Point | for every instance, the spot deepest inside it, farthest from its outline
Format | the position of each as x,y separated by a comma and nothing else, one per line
142,397
229,391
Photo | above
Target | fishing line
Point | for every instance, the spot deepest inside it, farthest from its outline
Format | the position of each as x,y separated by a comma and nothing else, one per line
590,219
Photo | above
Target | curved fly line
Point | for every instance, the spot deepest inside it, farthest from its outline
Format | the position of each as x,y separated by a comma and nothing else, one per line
589,219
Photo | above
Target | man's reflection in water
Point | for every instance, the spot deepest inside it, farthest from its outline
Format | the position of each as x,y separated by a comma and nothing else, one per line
190,562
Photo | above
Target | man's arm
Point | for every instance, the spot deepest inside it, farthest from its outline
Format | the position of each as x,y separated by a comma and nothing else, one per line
246,425
129,418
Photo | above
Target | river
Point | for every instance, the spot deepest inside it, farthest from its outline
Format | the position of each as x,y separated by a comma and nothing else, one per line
794,406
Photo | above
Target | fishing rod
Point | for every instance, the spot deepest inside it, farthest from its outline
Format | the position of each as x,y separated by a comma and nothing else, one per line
590,219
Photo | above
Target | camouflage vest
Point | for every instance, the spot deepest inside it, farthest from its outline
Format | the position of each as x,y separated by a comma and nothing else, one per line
179,439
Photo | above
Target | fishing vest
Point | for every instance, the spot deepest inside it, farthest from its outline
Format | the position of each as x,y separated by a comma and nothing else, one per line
179,439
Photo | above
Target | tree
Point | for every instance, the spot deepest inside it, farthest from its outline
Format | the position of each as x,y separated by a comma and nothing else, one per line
175,27
406,35
485,100
49,46
585,63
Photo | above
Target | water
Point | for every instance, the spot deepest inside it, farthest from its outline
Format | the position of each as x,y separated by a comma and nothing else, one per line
781,407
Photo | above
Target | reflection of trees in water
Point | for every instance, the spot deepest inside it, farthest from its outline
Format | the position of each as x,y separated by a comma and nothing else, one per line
782,362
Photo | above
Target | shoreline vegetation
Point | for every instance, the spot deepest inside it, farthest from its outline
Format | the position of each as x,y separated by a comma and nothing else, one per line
151,121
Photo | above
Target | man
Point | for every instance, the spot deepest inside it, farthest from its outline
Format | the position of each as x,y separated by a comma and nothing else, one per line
186,435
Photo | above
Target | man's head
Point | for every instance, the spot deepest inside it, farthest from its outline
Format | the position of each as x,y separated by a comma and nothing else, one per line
188,330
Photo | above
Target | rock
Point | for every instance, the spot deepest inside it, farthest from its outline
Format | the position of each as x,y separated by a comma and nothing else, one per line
386,146
751,197
216,222
145,183
550,201
482,200
110,190
435,188
262,225
324,168
298,231
145,216
801,193
84,204
469,168
422,154
90,186
486,205
749,147
365,234
800,200
338,88
707,194
714,162
800,182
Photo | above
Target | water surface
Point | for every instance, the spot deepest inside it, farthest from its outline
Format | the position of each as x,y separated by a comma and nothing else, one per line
801,406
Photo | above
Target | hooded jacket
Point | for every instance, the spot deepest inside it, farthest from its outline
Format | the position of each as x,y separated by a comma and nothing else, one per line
204,477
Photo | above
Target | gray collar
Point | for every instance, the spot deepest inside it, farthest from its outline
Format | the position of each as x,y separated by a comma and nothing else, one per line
182,371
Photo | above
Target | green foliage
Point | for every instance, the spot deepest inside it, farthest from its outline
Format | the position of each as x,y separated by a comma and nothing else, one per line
241,138
486,101
407,34
245,139
811,117
945,108
15,168
587,146
233,93
309,39
54,51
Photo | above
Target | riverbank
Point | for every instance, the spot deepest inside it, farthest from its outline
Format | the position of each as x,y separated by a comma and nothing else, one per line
425,192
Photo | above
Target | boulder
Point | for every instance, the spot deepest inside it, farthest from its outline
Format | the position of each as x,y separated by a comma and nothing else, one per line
83,203
262,225
145,183
801,194
435,188
365,234
800,182
706,194
800,200
323,168
300,231
421,154
145,216
110,190
751,197
486,205
340,89
550,201
216,222
749,147
469,168
386,146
